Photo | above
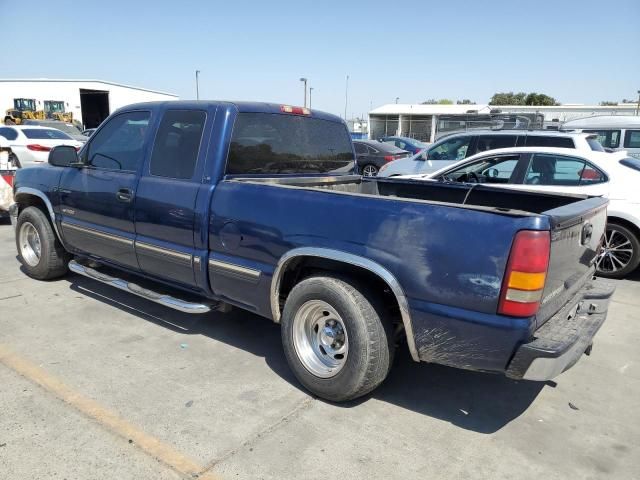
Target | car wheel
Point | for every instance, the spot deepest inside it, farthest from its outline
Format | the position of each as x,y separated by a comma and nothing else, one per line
369,170
39,250
620,254
335,338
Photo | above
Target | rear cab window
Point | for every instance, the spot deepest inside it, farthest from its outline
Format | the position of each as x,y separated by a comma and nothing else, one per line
278,144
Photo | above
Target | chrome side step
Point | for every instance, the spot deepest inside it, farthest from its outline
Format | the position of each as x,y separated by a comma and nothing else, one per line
162,299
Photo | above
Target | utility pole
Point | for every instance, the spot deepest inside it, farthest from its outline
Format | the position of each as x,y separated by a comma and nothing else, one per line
310,90
197,85
346,97
304,80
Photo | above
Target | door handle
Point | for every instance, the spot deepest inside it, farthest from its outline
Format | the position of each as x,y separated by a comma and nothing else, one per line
124,195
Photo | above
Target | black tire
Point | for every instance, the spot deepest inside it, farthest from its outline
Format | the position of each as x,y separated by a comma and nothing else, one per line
604,265
370,337
372,170
54,258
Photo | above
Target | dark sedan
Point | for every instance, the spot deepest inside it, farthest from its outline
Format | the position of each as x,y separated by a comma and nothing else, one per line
372,155
411,145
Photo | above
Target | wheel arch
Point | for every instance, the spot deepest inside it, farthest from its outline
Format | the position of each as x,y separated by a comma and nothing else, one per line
626,222
30,197
294,262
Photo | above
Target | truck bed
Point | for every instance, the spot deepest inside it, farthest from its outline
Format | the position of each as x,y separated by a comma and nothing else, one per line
471,195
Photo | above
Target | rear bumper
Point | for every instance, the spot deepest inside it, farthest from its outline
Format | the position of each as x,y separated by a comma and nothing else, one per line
562,340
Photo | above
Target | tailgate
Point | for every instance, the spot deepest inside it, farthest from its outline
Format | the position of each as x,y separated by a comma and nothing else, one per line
577,230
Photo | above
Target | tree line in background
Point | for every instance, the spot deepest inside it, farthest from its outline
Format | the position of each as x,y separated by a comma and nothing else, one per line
520,98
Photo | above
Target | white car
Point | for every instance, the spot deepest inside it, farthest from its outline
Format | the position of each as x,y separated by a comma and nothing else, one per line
457,146
31,144
561,170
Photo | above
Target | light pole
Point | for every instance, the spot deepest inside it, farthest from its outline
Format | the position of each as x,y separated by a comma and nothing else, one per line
397,98
346,97
638,104
310,90
197,85
304,80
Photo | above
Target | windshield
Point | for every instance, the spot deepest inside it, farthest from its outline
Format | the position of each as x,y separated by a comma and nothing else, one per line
595,145
265,143
65,127
24,104
53,107
45,134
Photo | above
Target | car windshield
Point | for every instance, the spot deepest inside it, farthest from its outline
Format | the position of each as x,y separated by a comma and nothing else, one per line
45,134
62,126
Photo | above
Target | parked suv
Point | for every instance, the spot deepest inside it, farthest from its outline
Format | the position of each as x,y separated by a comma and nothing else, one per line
458,146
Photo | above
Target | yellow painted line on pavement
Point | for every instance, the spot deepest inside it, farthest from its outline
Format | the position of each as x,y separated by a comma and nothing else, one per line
108,419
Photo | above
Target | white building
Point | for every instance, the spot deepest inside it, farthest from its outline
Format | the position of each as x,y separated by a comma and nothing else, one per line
427,122
90,101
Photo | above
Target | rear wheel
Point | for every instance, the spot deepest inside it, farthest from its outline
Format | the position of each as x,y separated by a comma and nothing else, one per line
39,250
335,339
620,253
369,170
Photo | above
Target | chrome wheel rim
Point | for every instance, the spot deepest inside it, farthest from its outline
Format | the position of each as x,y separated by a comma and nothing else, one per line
30,246
369,171
320,338
616,253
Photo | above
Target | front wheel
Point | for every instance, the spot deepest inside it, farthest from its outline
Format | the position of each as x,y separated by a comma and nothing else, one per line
335,338
369,170
39,250
620,254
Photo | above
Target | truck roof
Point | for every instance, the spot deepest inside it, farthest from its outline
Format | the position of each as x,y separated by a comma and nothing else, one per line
246,107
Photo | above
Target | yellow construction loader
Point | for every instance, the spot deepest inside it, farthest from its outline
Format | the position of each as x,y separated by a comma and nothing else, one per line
54,110
23,109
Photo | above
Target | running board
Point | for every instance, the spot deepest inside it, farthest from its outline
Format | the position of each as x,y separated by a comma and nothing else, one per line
162,299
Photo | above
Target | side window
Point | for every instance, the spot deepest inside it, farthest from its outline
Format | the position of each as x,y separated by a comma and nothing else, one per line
452,149
608,138
360,149
499,169
400,144
491,142
545,169
177,143
372,151
8,133
632,139
119,143
542,141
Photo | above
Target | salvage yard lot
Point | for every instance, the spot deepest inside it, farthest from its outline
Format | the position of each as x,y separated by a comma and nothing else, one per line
96,383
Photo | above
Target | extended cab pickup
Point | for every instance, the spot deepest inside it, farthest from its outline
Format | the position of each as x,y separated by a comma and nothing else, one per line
204,205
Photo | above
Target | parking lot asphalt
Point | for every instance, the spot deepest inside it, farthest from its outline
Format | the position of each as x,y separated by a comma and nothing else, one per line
96,383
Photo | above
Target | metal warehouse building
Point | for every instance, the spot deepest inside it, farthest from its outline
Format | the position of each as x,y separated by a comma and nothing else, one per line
428,122
90,101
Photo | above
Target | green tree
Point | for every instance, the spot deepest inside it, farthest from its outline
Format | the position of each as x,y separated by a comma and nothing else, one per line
431,101
606,103
539,99
508,98
466,101
445,101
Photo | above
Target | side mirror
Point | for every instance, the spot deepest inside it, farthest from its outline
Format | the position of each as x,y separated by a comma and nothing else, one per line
493,173
64,156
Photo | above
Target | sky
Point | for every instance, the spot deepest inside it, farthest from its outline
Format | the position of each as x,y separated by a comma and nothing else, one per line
578,51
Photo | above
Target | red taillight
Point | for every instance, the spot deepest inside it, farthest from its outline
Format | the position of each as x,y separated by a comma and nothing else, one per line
38,148
526,274
391,158
295,110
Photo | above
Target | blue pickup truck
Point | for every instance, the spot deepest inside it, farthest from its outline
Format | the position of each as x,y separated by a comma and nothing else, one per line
201,206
